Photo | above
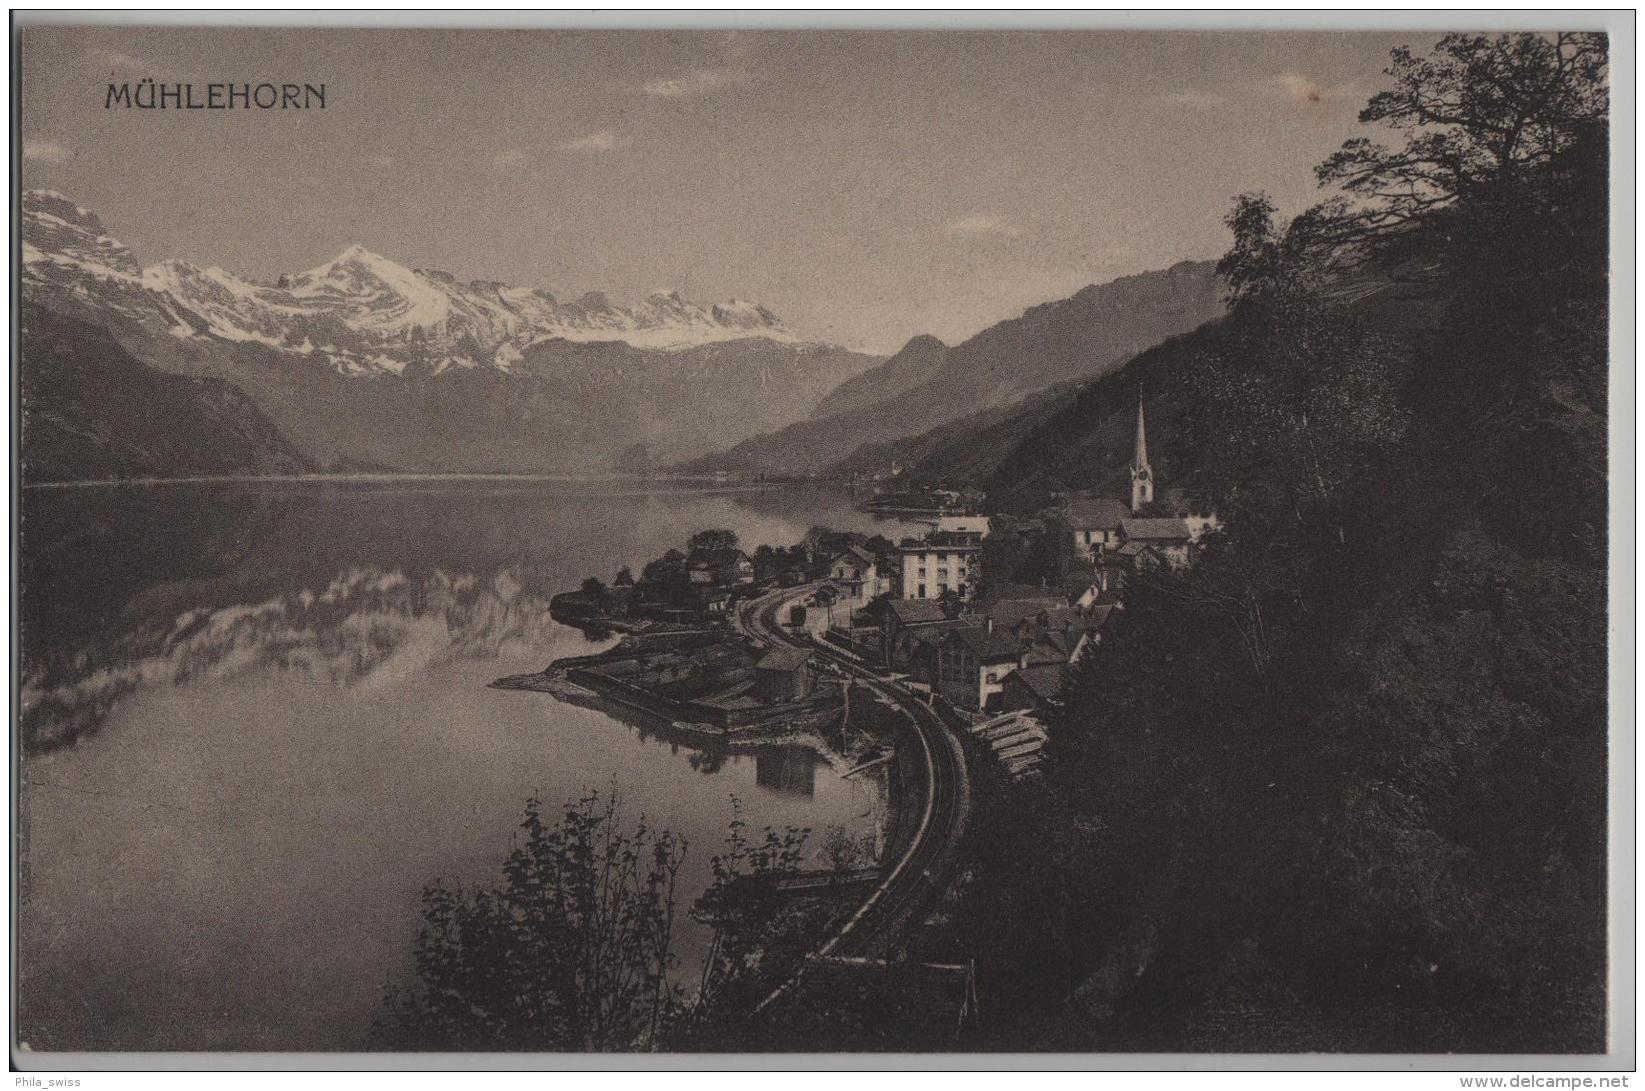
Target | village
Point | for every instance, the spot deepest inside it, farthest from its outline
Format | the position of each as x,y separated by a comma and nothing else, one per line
947,615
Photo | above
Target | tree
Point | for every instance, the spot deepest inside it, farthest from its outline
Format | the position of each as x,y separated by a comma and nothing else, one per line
1479,112
753,944
1264,264
572,951
1278,750
814,542
879,545
625,577
712,541
845,851
594,588
1001,557
666,580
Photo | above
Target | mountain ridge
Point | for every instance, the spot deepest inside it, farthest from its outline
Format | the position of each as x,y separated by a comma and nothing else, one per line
927,384
364,361
362,312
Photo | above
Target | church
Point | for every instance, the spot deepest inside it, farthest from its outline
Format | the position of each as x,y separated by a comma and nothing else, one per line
1107,529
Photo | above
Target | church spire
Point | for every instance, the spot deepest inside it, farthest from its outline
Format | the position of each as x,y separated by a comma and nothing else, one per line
1140,461
1142,476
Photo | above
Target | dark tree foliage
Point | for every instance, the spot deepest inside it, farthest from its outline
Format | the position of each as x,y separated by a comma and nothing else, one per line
712,540
666,580
571,952
574,949
1043,559
1341,784
1479,113
739,912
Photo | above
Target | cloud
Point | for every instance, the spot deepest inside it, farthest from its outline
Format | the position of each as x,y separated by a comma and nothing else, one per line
1190,97
982,226
603,141
46,151
700,81
378,162
1299,88
508,159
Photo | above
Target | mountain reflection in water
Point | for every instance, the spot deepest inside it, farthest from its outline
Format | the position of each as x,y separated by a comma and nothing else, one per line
257,719
366,626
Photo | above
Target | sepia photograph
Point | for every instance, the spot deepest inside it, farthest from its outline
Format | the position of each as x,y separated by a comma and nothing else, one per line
730,540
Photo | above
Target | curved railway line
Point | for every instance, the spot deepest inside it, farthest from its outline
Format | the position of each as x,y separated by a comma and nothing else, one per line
920,874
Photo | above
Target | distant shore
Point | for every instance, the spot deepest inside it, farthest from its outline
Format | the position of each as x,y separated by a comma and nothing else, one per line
394,478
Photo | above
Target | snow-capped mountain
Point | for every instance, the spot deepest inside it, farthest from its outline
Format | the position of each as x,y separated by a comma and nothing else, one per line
363,362
361,313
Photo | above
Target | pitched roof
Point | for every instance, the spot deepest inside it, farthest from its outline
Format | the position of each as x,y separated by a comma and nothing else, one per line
717,557
1097,513
1015,608
917,611
1047,650
932,634
1077,583
987,646
857,550
1158,530
1043,680
783,659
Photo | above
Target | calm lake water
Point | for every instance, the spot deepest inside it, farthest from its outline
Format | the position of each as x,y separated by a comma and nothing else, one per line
257,722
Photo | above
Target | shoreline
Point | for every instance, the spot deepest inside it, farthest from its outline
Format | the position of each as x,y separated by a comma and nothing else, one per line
707,484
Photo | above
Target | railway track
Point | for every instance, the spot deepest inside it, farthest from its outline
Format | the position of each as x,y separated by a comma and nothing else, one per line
922,872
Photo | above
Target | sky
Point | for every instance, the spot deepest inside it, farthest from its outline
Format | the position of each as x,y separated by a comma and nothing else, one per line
865,186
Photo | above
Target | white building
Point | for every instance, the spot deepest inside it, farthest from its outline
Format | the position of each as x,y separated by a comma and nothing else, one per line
941,563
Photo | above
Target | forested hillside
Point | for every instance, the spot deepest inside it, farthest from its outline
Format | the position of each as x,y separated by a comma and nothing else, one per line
93,411
1342,784
1011,365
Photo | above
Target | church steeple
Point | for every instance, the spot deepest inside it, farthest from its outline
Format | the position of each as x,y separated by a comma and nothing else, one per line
1142,476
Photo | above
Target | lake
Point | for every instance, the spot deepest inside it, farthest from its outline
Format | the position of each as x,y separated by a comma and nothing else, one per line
257,722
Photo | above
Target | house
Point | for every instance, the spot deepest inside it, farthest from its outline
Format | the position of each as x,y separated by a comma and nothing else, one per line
941,563
1037,688
719,567
903,616
1084,590
1170,537
855,571
1200,518
1131,558
784,674
972,664
820,545
1095,522
1010,603
1060,635
779,566
914,652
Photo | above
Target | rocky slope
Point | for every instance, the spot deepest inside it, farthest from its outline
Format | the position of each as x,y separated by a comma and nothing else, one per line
91,411
362,361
